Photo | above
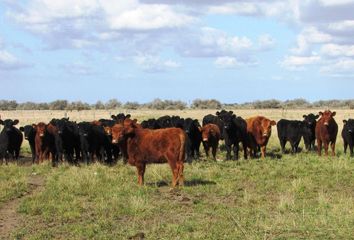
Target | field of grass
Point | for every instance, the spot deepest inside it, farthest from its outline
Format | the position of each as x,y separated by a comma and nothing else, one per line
288,196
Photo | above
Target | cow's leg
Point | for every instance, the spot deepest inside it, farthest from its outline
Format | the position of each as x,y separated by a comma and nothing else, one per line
263,150
244,146
206,148
325,145
228,151
345,145
213,150
141,172
236,149
333,148
319,147
179,178
351,149
282,145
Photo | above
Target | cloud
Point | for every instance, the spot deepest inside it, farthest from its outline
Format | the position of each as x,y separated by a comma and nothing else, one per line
9,62
155,64
231,62
299,62
342,66
78,68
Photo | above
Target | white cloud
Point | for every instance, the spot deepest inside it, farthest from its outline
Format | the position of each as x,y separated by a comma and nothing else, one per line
10,62
231,62
266,42
342,66
150,63
299,62
335,50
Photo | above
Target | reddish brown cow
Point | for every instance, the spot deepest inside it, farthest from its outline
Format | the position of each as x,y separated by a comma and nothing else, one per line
44,141
259,130
326,132
146,146
210,136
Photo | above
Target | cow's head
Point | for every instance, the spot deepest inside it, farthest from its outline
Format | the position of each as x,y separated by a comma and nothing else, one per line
207,131
28,129
349,126
266,127
40,129
327,116
84,129
108,130
122,130
8,124
227,119
191,125
310,119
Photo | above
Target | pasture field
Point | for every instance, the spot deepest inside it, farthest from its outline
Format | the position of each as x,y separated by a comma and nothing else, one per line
300,196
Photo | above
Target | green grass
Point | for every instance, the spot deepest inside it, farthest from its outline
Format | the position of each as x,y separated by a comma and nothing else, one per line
295,197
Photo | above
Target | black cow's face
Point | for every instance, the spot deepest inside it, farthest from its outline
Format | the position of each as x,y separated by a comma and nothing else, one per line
27,130
61,125
84,129
227,119
349,126
310,120
8,124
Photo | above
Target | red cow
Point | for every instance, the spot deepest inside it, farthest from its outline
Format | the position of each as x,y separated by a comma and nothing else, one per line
144,146
210,136
259,130
326,132
44,141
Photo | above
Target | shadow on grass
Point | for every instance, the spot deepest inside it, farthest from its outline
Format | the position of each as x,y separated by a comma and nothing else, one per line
187,183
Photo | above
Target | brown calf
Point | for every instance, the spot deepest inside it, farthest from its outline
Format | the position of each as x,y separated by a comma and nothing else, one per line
145,146
210,137
259,130
326,132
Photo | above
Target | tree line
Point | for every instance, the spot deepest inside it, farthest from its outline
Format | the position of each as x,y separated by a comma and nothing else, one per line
158,104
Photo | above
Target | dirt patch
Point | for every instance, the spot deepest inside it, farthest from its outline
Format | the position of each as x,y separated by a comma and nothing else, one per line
10,219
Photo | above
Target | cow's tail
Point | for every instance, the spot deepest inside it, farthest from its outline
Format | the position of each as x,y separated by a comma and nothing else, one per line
181,159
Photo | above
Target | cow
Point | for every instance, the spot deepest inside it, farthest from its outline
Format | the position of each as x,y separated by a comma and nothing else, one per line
145,146
235,131
194,138
164,122
151,123
120,117
114,150
45,142
309,131
177,121
30,135
326,132
292,131
67,140
348,136
259,129
10,140
210,137
210,118
94,142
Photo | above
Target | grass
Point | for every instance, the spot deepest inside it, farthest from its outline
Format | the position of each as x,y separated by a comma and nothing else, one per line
299,196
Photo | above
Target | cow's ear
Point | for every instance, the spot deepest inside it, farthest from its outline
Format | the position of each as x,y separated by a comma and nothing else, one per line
128,116
304,116
114,117
345,122
67,119
320,113
333,114
317,116
22,129
15,122
231,112
217,113
273,123
34,125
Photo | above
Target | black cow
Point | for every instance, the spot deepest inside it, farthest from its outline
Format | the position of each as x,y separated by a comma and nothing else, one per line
114,149
10,140
120,117
194,138
94,142
177,121
348,135
67,140
292,131
30,135
214,120
234,132
164,121
309,131
151,123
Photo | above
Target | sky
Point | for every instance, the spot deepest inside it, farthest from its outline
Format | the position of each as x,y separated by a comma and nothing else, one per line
140,50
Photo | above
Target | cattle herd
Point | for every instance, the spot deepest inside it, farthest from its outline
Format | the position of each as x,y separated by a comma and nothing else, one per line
170,139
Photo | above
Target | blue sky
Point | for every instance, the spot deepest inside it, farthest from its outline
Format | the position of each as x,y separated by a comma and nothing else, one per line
139,50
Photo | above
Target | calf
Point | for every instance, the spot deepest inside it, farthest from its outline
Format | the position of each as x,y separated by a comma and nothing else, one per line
10,140
194,138
292,131
146,146
235,131
348,135
326,132
309,131
30,135
45,142
214,120
210,136
259,130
